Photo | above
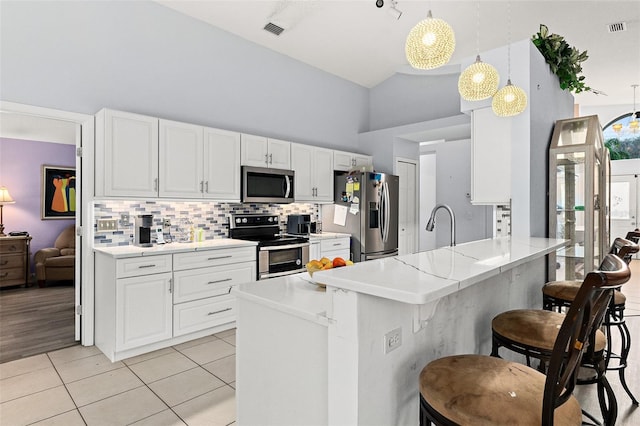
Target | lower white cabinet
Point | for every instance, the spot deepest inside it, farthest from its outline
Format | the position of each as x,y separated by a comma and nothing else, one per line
144,303
336,247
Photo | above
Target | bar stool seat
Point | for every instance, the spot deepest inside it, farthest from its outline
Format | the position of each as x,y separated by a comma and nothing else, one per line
481,390
562,293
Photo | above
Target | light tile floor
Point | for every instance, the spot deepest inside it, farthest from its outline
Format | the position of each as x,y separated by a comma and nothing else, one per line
192,383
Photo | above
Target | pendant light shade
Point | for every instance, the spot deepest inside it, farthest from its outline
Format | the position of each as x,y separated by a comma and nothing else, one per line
478,81
430,43
508,101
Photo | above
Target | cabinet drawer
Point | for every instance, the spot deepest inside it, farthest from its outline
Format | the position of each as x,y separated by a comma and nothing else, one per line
335,244
207,282
206,258
12,246
143,265
332,254
200,314
10,276
9,261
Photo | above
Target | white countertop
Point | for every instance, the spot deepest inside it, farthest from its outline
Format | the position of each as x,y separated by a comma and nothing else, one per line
134,251
327,236
423,277
292,294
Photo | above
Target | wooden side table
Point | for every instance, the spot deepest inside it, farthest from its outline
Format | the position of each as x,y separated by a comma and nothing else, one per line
14,260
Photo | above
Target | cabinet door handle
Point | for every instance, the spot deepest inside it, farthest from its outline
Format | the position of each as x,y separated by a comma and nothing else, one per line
220,257
155,184
218,312
266,158
337,244
270,158
219,281
4,275
170,285
5,262
201,185
206,187
146,266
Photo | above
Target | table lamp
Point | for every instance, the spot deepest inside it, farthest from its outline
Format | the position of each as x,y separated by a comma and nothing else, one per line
5,198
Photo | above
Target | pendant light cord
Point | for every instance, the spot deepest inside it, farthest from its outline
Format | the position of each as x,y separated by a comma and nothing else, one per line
509,41
478,28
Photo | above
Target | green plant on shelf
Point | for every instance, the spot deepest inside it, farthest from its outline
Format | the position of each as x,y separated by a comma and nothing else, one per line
563,59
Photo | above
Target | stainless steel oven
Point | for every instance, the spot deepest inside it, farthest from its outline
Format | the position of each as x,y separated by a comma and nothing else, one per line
277,254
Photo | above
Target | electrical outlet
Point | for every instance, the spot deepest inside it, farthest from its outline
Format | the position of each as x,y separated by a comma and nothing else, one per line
392,340
125,219
107,225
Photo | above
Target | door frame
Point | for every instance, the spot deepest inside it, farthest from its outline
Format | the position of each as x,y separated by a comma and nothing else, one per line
416,195
84,228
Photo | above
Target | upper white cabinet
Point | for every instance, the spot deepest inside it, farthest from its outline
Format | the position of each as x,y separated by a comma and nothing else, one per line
221,164
181,160
314,173
259,151
126,154
346,161
490,158
199,162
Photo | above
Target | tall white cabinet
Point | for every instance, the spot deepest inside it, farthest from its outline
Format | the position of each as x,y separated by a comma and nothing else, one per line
126,154
314,173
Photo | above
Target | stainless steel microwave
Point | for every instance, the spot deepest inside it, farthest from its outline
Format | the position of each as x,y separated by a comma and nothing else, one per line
263,185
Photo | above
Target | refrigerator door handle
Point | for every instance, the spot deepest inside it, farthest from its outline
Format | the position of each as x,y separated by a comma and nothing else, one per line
387,212
381,211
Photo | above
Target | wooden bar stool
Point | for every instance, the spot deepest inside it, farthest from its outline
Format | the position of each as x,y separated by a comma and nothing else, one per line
483,390
558,295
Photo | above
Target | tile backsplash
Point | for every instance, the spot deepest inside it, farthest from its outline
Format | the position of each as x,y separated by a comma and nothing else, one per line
211,217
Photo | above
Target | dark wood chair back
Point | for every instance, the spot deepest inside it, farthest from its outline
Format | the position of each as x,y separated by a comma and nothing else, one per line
625,248
584,315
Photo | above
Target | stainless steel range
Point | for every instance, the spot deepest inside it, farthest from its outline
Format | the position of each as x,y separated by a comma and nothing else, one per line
277,254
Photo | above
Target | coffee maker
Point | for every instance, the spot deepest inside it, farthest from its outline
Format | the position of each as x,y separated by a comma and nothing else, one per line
300,224
142,230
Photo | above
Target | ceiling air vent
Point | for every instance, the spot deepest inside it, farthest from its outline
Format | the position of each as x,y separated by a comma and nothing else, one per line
617,27
273,28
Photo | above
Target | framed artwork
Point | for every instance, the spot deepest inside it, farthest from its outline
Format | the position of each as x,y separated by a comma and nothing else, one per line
58,192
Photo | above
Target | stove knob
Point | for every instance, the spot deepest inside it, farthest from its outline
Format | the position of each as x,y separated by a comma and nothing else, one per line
238,220
244,220
270,219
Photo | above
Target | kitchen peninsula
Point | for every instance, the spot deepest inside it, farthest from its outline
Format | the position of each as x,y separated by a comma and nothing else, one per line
351,353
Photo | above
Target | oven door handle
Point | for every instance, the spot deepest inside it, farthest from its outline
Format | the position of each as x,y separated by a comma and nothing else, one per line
286,247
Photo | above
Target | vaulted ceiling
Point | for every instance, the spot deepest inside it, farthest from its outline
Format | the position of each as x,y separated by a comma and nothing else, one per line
362,43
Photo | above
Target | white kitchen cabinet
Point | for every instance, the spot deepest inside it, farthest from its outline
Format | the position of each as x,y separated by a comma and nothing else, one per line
345,161
259,151
221,173
199,162
143,310
314,173
152,301
490,158
126,154
314,250
181,160
336,247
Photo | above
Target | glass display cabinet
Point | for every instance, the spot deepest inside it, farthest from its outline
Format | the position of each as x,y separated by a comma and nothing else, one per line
578,196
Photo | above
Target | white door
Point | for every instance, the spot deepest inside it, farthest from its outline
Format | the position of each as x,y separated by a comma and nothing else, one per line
407,210
78,261
131,155
427,199
144,310
323,171
279,154
221,164
254,151
301,162
180,160
624,205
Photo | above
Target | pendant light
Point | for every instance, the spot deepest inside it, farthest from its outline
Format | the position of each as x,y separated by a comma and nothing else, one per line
479,80
633,124
510,100
430,43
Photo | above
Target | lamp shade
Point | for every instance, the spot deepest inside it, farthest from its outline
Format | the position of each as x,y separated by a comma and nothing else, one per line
478,81
5,197
430,43
509,101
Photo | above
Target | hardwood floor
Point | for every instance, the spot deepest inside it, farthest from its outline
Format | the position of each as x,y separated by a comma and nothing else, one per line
35,320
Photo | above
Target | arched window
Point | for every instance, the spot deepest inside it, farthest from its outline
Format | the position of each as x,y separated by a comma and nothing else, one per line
623,141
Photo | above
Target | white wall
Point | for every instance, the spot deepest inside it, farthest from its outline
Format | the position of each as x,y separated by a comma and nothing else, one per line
606,114
142,57
428,185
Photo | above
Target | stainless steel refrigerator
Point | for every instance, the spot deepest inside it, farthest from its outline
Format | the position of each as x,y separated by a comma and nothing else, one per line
365,206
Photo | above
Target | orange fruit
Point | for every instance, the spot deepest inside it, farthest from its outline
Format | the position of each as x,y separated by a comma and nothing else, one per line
338,261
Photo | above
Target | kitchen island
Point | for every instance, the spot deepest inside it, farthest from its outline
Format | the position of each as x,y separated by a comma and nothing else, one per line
351,353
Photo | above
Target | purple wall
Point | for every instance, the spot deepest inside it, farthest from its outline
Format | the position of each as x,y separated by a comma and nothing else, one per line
21,172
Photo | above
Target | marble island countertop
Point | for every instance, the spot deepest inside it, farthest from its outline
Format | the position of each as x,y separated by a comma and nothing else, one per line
157,249
426,276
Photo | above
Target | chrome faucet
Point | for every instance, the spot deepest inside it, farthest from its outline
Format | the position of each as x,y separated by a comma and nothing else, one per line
432,221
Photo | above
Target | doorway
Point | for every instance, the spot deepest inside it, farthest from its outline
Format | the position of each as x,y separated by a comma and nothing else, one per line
52,313
625,196
407,171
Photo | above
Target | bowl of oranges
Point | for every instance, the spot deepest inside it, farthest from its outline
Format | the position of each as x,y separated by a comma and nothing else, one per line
325,263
